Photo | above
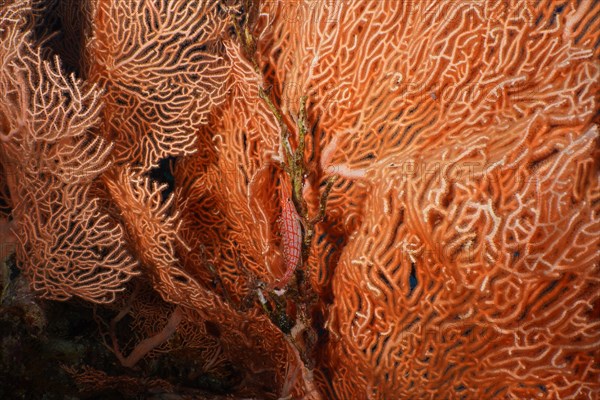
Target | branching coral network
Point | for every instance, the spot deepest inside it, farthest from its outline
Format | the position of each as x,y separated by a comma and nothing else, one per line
359,200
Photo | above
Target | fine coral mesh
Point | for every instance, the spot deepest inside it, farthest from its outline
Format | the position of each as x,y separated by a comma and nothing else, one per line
456,144
162,69
68,244
465,130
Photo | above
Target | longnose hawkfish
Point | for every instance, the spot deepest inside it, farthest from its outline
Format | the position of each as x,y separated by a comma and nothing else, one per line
291,238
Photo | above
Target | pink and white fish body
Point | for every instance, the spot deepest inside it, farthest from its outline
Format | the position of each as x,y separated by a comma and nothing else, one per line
291,238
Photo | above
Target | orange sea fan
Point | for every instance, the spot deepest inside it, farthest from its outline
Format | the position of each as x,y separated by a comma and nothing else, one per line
248,338
235,192
471,124
461,279
459,253
161,68
69,245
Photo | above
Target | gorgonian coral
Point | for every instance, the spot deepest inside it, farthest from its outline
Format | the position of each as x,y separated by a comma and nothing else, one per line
70,244
455,256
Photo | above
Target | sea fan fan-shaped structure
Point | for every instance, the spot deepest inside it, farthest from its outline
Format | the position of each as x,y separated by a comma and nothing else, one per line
69,245
435,165
159,65
475,261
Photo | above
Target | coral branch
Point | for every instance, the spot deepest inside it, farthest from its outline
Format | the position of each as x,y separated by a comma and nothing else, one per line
147,345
